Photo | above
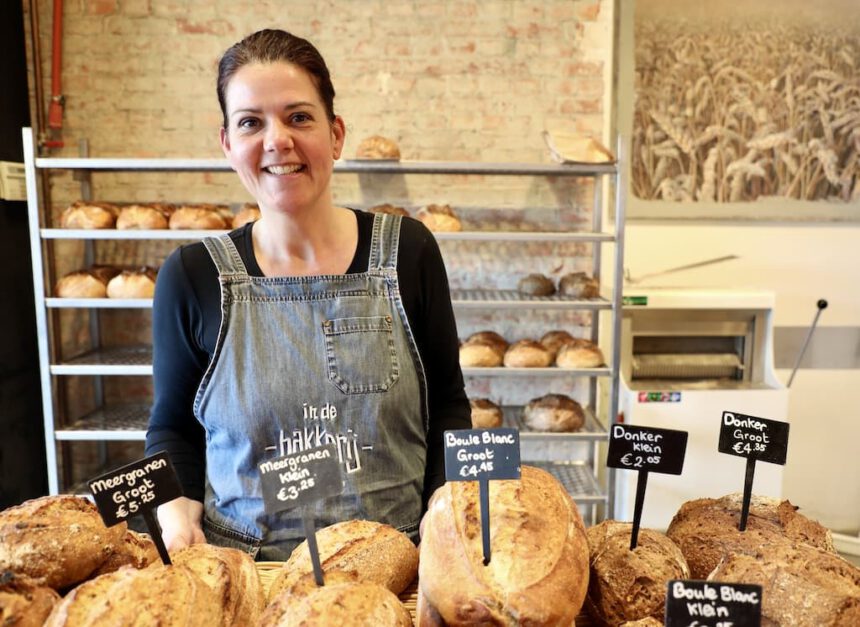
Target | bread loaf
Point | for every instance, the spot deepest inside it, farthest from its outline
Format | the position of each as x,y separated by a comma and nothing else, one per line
578,285
579,354
233,578
801,585
377,147
706,530
347,604
136,550
132,284
536,285
143,217
158,595
554,412
538,571
492,338
200,217
89,215
480,354
439,218
23,602
527,354
554,340
485,414
626,585
374,552
83,284
248,213
56,540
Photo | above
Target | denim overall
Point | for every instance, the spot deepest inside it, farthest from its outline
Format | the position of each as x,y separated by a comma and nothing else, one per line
305,361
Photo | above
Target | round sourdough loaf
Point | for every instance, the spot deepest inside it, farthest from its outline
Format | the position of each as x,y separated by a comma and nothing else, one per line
485,414
480,354
56,540
338,602
536,285
158,595
706,530
579,354
89,215
439,218
538,571
626,585
554,412
377,147
23,602
374,552
578,285
554,340
203,217
143,217
527,354
132,284
389,209
492,338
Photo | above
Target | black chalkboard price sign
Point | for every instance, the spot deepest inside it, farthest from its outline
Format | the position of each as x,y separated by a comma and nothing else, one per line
481,455
137,489
712,604
645,449
298,480
757,439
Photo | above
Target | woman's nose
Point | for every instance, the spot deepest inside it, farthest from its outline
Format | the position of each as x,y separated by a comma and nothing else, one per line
278,137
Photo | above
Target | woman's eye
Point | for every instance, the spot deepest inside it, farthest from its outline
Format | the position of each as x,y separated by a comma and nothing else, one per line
247,123
300,118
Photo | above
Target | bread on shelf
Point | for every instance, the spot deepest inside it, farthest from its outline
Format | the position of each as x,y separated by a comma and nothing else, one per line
485,414
579,354
578,285
144,217
439,218
198,217
89,215
377,147
554,412
527,354
138,283
249,212
536,284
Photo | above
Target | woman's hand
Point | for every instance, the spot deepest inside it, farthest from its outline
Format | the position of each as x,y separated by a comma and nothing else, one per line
181,521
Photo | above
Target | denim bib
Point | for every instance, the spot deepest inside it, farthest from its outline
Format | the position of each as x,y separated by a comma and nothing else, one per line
306,361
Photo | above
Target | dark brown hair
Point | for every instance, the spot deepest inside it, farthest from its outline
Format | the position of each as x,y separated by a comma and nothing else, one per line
270,46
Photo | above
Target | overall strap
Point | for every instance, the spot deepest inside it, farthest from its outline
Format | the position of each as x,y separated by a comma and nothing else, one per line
385,242
225,256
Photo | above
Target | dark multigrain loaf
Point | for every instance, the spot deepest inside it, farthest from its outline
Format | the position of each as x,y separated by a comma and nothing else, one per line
801,585
626,585
23,602
57,540
706,530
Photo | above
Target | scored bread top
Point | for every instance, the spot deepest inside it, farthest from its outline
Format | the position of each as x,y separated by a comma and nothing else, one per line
375,552
538,572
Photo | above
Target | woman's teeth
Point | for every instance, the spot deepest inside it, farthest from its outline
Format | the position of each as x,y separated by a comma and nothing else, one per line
283,169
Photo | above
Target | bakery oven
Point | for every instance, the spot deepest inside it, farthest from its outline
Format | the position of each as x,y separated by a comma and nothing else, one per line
687,356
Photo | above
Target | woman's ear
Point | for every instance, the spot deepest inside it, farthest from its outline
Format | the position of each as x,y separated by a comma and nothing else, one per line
225,142
338,134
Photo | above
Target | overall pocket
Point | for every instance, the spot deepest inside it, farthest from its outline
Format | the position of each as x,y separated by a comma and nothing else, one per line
360,354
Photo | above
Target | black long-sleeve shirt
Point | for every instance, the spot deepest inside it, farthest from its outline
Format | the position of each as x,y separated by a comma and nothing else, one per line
187,316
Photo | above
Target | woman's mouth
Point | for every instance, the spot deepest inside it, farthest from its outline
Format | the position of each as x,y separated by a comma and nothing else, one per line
284,169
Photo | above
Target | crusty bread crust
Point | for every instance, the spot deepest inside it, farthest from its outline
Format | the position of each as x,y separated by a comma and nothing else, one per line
136,550
627,585
57,540
233,578
527,354
23,602
538,573
706,530
374,552
347,604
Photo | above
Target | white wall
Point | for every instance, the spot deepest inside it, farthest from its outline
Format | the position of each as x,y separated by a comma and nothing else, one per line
800,264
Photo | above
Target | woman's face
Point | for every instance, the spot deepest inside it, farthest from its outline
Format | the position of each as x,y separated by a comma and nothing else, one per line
279,139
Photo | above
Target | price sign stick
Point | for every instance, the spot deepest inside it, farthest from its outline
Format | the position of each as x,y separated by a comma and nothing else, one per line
484,493
748,483
641,483
155,532
311,535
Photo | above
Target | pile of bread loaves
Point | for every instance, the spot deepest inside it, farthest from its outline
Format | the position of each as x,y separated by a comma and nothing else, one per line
155,216
488,349
101,281
59,566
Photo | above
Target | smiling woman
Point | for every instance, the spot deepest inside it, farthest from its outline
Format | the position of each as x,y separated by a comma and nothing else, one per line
314,324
